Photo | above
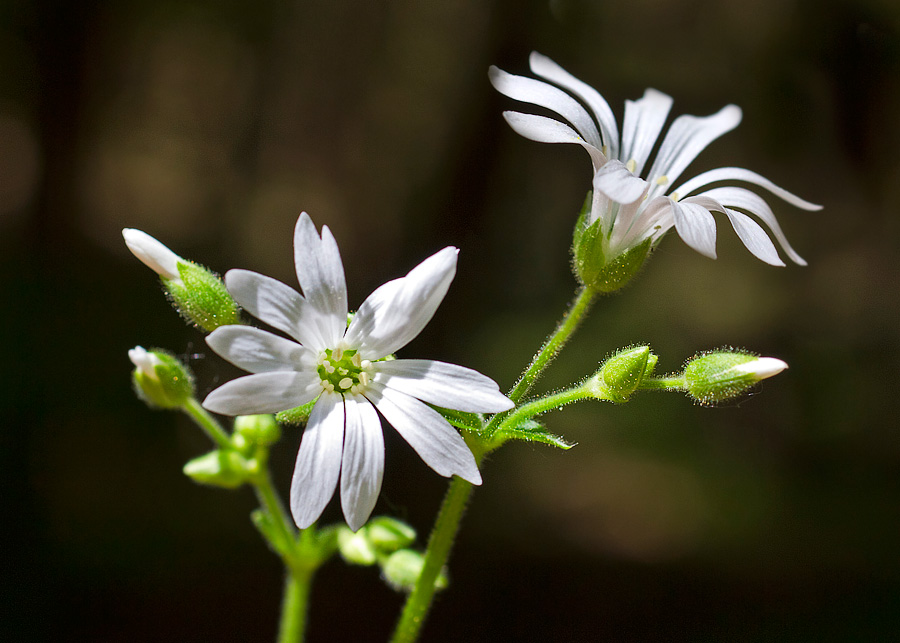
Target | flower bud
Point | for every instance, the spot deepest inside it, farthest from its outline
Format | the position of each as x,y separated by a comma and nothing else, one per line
251,430
722,375
402,569
221,468
622,374
196,292
389,534
355,548
160,379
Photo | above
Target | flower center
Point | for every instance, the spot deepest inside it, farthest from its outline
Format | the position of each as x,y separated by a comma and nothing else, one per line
342,370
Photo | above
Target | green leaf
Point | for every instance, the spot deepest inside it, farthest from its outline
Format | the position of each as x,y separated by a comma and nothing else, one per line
462,420
533,431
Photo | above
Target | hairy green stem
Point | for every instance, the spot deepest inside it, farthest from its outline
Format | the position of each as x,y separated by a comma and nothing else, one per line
294,605
663,383
439,544
545,404
205,421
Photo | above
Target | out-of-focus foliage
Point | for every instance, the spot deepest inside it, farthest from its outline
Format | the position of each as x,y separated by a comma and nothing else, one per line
211,125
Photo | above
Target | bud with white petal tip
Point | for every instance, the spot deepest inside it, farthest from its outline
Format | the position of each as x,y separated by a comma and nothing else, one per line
160,379
721,375
197,293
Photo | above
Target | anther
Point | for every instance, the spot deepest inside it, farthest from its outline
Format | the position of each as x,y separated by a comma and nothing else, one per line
662,180
345,383
631,166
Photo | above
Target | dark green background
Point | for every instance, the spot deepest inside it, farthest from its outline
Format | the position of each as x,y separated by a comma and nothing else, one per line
211,125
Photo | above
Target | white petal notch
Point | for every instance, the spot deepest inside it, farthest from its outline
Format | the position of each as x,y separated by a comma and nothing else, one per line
619,167
345,371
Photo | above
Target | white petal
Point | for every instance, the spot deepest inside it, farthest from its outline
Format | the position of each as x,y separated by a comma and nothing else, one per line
688,136
644,121
154,254
436,442
259,351
620,185
754,204
653,220
754,237
763,367
396,312
546,68
318,461
696,226
264,393
321,276
547,130
740,174
445,385
278,305
536,92
362,465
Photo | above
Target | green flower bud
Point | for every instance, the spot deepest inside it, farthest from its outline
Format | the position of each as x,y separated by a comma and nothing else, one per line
622,374
221,468
356,548
250,430
722,375
595,265
160,379
196,292
402,569
389,534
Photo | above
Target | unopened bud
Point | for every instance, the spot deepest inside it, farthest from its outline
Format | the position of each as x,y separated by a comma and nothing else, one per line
402,570
622,374
160,379
221,468
251,430
389,534
721,375
355,548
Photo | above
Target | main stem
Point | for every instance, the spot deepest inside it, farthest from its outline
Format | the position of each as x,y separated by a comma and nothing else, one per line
293,605
447,524
445,529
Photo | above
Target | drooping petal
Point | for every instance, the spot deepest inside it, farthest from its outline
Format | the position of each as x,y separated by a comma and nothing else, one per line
362,464
429,434
396,312
754,237
321,276
318,461
740,174
547,130
688,136
536,92
644,121
259,351
696,226
619,184
549,70
445,385
754,204
264,393
278,305
653,220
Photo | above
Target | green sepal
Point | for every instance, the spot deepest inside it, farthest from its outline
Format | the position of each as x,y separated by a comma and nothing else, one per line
402,569
221,468
622,374
168,384
462,420
532,431
715,377
297,416
581,224
601,273
201,297
268,527
356,548
389,534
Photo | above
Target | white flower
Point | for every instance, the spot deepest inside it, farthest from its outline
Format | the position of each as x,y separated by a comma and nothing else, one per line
344,367
633,209
154,254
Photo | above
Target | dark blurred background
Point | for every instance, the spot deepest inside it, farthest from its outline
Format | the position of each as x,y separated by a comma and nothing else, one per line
211,124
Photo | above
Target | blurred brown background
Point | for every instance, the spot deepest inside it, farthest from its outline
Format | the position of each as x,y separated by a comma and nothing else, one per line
211,124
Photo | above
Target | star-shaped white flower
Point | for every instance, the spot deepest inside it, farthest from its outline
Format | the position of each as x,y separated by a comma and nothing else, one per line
633,209
345,368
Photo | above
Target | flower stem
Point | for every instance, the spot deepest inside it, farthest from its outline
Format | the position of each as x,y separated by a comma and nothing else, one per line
293,606
545,404
205,421
439,544
567,325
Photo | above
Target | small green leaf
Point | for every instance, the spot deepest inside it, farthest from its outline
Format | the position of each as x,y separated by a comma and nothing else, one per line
533,431
462,420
